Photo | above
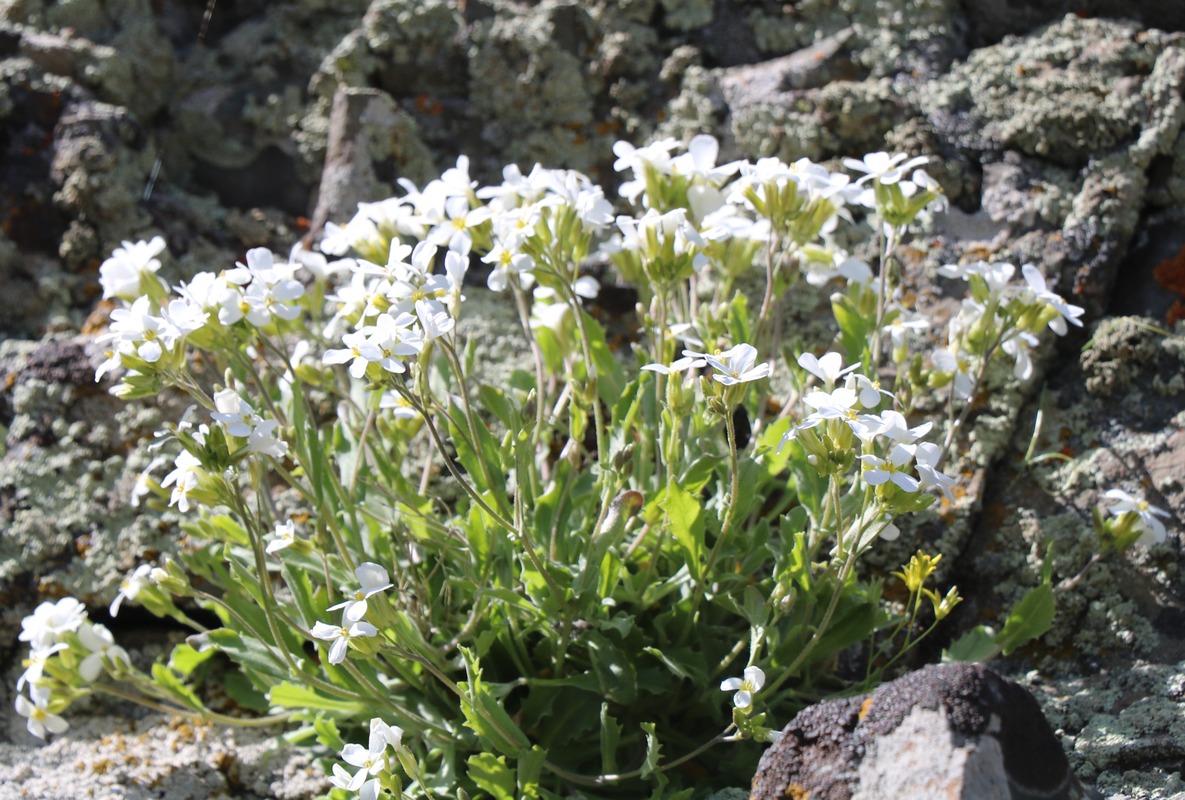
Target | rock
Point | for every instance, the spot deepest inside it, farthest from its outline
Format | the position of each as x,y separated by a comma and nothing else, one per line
945,731
372,141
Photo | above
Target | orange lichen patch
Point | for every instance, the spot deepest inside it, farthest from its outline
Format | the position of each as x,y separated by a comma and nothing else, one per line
865,707
429,105
1170,274
795,792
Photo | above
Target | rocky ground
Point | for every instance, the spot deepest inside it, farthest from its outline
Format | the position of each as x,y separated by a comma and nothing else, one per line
1056,133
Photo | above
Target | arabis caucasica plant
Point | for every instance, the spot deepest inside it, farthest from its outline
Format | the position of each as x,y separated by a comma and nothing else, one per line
581,580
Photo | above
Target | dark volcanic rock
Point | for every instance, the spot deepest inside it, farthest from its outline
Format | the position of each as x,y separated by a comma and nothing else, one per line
949,731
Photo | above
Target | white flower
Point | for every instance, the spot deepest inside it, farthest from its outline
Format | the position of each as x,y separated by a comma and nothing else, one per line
372,579
837,404
926,455
1018,346
391,734
868,390
187,471
894,426
234,412
35,665
263,439
282,537
101,644
142,486
49,622
880,470
121,275
736,365
959,365
359,350
40,720
340,636
688,361
136,330
455,230
506,263
1153,529
828,369
1066,311
884,168
131,586
744,687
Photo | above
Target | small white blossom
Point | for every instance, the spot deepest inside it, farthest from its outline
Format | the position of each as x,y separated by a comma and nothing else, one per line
372,579
737,365
283,536
745,688
339,637
41,722
131,586
1153,529
101,644
187,471
49,622
122,274
884,168
828,369
881,470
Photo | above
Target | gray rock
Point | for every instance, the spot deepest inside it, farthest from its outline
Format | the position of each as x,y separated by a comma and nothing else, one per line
945,731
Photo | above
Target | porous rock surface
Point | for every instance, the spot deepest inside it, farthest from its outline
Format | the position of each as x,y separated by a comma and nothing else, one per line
1055,129
944,731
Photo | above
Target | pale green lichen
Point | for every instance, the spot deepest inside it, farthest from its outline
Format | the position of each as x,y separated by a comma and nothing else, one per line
686,15
65,485
891,37
530,88
1122,729
1063,95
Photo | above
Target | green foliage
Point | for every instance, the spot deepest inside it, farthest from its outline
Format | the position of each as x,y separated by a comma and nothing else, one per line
549,586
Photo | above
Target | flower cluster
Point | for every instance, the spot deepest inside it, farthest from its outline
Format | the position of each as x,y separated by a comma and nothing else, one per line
372,579
372,764
66,652
998,314
620,519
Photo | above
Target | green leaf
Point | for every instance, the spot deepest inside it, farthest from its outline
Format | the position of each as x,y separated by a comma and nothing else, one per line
1031,618
327,733
185,659
615,674
167,680
530,767
485,715
653,750
291,695
687,524
495,400
238,688
610,375
491,774
697,475
301,587
976,644
250,653
610,736
683,662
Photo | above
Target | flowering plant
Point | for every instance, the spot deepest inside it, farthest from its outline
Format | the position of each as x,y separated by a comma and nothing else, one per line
541,587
